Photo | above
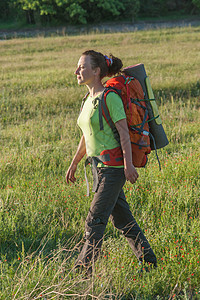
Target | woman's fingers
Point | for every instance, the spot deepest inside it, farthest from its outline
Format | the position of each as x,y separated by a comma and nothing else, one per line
70,174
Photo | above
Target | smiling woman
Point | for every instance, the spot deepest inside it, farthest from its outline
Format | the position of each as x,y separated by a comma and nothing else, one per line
109,199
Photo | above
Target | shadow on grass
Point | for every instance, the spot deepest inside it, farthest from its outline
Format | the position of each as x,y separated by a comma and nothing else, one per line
15,250
183,93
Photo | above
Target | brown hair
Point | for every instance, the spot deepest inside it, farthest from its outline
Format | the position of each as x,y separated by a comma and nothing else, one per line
99,60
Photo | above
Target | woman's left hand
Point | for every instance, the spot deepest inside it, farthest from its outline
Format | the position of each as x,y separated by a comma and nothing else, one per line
131,173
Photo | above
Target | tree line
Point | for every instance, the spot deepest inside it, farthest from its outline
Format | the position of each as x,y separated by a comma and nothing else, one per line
90,11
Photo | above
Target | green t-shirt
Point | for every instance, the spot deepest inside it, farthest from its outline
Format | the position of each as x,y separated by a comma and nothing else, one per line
97,140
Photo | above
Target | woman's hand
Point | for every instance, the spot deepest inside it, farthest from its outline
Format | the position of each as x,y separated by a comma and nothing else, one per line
131,173
81,150
70,173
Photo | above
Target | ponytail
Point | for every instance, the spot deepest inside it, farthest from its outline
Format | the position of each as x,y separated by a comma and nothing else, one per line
115,65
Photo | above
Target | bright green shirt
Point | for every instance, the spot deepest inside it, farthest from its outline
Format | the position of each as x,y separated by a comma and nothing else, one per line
97,140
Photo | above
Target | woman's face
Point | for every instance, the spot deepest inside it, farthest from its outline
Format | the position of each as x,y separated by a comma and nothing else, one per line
84,72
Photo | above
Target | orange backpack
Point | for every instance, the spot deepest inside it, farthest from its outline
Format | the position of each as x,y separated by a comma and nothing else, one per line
132,95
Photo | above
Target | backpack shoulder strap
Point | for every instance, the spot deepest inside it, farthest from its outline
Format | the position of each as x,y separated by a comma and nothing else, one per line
104,112
83,102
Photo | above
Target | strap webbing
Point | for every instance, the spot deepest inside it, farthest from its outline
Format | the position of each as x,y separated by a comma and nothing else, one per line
100,114
154,143
93,161
103,109
86,179
142,146
110,122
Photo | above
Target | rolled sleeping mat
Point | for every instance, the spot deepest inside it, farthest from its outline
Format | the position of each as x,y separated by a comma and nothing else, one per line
155,123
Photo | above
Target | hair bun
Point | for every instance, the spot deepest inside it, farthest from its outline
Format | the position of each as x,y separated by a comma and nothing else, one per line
114,67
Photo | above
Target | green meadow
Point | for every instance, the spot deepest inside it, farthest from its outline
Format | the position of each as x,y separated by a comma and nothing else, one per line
42,218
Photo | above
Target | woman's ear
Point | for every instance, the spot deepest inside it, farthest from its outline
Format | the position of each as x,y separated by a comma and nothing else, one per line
97,71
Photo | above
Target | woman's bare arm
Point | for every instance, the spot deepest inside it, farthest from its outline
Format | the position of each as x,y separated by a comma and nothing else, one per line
81,151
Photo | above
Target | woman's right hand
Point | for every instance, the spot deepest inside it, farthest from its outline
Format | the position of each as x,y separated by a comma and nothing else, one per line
70,173
131,173
77,158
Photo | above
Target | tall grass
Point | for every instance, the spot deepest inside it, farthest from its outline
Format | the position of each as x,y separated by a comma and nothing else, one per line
42,219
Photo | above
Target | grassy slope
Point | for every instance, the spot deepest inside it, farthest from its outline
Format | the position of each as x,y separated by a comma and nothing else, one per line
42,218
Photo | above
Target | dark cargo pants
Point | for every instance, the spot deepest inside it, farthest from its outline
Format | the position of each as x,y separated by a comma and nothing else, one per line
109,201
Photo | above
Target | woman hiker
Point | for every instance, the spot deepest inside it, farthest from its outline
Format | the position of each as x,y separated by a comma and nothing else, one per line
109,199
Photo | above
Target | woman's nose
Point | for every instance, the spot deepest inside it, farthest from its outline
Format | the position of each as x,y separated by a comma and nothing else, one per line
77,71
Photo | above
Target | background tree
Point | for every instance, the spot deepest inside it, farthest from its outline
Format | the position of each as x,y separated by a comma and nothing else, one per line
153,8
131,9
4,9
90,11
196,3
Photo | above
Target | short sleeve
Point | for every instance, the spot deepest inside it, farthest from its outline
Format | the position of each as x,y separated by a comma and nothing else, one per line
115,107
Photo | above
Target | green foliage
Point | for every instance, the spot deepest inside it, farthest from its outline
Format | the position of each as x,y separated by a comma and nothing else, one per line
196,3
76,13
131,8
90,11
44,7
157,8
9,9
29,4
153,8
110,7
4,9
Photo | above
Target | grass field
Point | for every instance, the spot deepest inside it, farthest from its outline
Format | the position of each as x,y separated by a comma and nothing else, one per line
42,218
